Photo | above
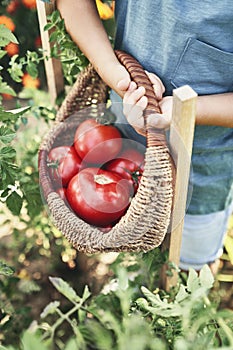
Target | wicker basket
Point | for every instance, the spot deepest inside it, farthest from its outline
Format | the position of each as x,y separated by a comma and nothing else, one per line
146,221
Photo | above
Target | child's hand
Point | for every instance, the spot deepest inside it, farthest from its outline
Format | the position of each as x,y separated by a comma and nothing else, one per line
135,102
162,121
116,76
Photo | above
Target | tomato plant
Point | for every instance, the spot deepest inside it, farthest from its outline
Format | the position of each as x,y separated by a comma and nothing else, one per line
98,196
129,166
97,143
63,163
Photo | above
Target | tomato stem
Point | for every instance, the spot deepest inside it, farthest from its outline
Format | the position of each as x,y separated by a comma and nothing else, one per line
53,165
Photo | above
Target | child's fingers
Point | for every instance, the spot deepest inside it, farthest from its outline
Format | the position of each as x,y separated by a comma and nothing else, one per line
131,97
163,120
158,86
159,121
120,79
133,94
135,117
123,84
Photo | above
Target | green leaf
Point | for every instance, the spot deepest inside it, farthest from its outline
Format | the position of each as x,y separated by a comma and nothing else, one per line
208,338
32,56
75,70
8,174
53,37
123,281
6,116
10,347
181,344
71,344
6,134
51,308
110,321
6,36
12,115
5,269
34,203
16,70
48,26
149,258
5,193
6,89
24,120
55,16
86,293
20,111
2,53
182,294
142,303
82,315
100,336
65,289
206,277
32,341
7,152
14,202
32,70
153,298
161,307
28,286
193,280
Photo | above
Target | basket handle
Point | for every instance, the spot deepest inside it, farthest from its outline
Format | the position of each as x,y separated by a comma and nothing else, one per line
155,137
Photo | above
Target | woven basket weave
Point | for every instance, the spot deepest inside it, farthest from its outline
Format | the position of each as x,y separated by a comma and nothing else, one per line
146,221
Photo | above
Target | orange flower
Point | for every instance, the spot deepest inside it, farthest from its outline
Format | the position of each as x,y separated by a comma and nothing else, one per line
30,82
12,6
7,21
105,11
31,4
12,49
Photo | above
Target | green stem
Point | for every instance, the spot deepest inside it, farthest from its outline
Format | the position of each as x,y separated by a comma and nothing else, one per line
227,331
222,324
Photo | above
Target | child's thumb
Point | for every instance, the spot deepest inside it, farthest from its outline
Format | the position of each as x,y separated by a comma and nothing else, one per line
123,84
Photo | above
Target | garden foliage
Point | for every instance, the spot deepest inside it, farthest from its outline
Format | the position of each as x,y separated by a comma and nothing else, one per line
129,311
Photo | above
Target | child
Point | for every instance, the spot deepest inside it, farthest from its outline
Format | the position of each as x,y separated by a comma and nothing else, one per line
177,42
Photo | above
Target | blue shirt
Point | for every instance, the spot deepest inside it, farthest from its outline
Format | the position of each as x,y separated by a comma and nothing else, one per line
187,42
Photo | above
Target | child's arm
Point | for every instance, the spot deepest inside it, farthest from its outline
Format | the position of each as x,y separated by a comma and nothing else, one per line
83,23
215,110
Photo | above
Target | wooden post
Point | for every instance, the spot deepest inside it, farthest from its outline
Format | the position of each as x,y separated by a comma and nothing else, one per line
53,67
181,141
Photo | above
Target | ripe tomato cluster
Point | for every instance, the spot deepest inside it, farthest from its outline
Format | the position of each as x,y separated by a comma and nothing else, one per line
96,176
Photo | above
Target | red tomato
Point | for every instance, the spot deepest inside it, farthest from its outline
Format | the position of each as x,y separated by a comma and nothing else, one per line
96,143
63,163
105,229
98,196
135,156
130,166
62,193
